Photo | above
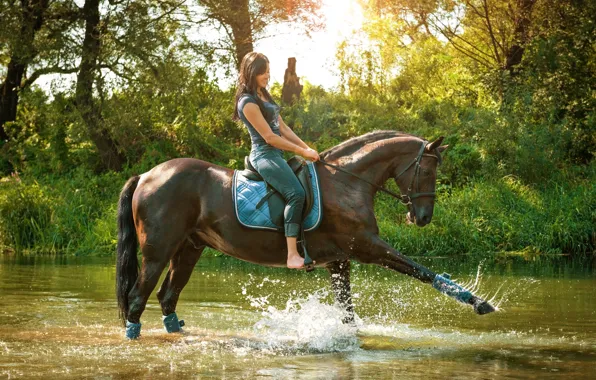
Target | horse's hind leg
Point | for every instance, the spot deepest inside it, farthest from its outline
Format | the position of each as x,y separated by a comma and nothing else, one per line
181,267
340,282
155,258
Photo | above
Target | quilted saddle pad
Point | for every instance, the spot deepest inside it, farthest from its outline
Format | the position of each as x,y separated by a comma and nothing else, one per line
247,194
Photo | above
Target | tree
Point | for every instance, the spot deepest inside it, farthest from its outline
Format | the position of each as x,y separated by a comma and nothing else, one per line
118,45
291,90
244,22
491,33
86,104
33,31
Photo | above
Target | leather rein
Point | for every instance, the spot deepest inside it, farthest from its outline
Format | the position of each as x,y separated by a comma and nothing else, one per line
405,199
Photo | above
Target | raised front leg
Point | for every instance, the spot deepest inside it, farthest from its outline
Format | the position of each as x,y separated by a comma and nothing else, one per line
373,250
340,282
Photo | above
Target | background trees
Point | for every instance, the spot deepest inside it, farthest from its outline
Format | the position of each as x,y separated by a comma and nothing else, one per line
509,83
33,42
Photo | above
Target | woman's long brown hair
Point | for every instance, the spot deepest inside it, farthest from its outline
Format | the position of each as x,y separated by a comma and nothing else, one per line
253,64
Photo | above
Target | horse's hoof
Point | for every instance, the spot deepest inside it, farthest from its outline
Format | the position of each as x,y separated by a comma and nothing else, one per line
349,320
483,307
133,330
171,323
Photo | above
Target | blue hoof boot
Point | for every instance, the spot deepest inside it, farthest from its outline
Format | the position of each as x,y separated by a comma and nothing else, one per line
483,307
133,330
445,285
172,324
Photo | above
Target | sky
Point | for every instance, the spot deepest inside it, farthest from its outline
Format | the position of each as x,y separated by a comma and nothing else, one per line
315,56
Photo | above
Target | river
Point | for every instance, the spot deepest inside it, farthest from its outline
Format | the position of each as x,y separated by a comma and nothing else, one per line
59,319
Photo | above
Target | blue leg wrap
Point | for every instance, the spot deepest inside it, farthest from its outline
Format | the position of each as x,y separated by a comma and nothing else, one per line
133,330
445,285
171,323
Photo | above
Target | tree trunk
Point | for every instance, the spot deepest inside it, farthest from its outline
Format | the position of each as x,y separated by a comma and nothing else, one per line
241,29
520,34
290,93
10,94
86,104
21,56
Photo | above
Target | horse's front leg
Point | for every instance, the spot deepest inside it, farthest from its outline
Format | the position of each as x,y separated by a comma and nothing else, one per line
340,282
373,250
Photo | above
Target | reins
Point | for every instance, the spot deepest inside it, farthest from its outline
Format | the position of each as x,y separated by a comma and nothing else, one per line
404,199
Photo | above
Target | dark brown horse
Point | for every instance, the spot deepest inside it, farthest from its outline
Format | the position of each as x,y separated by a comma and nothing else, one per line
181,206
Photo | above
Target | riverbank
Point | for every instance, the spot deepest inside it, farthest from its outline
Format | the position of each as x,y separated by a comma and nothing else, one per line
75,214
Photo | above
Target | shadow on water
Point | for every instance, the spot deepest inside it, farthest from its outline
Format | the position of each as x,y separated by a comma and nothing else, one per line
59,317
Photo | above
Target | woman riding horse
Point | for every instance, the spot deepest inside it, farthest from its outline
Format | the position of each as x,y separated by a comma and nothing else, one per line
269,136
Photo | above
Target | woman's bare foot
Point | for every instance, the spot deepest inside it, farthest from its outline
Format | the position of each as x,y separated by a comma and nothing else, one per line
295,261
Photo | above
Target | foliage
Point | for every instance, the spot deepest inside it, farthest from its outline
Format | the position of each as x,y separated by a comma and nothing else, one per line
518,175
488,217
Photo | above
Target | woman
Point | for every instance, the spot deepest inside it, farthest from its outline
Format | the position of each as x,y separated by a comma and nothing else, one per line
269,136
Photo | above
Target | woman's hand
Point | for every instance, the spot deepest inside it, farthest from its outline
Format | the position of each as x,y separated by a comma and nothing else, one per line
310,154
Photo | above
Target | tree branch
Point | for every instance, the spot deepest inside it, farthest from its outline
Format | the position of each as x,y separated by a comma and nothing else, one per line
470,54
491,33
451,35
47,70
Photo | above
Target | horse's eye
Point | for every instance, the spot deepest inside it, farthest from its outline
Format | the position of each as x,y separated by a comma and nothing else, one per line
425,171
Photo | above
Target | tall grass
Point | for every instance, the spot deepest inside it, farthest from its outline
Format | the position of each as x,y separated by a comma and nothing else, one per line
499,216
76,214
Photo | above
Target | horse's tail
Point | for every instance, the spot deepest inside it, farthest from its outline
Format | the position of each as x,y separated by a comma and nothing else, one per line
127,265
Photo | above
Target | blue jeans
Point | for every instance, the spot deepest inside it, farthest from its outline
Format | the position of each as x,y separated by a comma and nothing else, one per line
270,164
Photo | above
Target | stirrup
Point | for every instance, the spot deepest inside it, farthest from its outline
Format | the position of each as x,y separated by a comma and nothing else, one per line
309,265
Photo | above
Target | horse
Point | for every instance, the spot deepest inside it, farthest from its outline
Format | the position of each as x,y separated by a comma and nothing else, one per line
180,207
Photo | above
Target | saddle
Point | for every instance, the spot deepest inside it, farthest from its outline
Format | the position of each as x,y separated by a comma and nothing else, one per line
276,202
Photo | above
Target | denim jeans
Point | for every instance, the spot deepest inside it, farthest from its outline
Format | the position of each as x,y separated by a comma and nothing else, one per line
270,164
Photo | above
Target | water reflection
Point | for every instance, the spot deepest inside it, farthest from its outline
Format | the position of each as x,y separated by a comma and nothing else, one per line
59,318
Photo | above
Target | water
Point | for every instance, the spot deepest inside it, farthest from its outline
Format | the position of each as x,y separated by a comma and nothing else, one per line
58,318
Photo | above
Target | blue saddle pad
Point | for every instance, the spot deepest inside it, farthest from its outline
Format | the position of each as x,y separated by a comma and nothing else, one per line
247,193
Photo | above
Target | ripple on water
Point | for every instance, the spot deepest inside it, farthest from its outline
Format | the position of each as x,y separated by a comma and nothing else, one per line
405,329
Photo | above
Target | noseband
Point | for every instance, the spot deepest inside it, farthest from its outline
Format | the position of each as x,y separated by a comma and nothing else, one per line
407,198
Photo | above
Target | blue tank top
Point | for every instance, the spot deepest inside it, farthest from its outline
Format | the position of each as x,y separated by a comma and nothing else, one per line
270,108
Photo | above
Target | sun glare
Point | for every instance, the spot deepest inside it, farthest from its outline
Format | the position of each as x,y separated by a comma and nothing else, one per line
341,17
315,56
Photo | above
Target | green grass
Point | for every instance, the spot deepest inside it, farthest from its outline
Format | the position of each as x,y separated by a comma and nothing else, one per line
75,214
488,218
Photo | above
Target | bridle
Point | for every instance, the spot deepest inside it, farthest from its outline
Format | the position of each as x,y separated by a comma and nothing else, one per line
407,198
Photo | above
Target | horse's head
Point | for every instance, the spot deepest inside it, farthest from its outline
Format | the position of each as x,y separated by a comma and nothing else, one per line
416,180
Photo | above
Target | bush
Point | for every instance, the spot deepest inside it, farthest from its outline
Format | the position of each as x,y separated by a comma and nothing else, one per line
25,215
488,217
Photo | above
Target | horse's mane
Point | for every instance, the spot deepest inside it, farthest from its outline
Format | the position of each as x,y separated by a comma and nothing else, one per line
355,143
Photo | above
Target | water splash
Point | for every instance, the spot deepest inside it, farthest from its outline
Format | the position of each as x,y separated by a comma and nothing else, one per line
305,324
502,295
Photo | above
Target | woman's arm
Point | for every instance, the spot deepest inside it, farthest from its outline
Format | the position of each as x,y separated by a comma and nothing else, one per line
288,134
255,117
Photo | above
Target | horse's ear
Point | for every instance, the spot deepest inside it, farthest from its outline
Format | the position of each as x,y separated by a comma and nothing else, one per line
434,145
442,148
